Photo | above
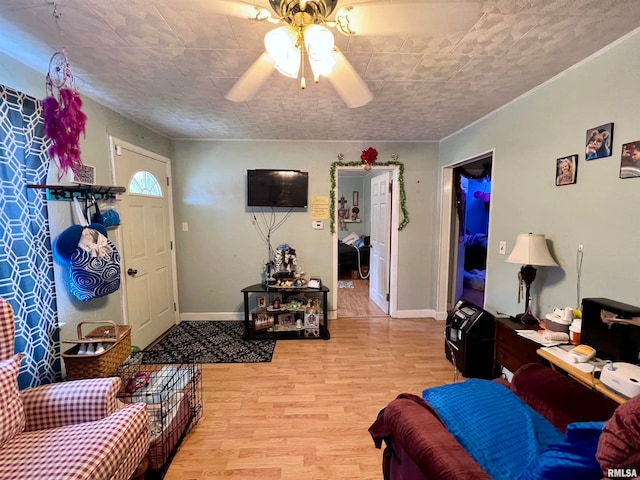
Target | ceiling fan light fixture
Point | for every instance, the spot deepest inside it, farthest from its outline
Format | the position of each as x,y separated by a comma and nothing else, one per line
281,45
318,41
343,20
285,8
323,68
319,44
262,14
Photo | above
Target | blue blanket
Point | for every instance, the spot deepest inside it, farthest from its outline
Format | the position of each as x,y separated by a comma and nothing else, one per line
500,431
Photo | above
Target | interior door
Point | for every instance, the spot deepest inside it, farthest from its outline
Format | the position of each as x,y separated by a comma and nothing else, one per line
147,260
380,235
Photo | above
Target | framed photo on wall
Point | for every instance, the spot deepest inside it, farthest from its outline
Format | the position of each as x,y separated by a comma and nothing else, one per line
566,170
599,141
630,160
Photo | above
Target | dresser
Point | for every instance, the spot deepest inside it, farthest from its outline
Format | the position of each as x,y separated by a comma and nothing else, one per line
512,350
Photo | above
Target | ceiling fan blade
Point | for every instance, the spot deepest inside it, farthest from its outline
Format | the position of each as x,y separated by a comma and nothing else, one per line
238,8
251,81
411,17
347,83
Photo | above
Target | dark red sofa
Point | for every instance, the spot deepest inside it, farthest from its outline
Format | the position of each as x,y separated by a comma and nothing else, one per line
418,446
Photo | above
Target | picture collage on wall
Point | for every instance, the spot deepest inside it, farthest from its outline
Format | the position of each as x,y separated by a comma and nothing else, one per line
598,144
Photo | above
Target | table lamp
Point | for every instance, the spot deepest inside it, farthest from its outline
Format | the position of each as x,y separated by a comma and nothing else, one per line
530,250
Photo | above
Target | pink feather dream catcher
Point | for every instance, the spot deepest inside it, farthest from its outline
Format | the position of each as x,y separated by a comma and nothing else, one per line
64,120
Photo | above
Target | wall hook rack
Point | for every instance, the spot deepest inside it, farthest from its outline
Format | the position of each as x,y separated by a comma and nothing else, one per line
81,192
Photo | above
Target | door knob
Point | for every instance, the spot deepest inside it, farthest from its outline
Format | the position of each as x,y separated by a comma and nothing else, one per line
132,272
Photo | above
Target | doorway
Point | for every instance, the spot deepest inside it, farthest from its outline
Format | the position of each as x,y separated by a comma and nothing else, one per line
473,197
373,258
146,235
466,208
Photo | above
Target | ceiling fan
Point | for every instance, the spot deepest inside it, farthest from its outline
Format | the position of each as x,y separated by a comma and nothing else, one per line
304,36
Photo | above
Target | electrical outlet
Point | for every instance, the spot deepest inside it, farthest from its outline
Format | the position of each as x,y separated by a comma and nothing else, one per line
502,249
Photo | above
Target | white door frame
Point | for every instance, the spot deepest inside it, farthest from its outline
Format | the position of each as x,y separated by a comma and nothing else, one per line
113,141
446,225
393,254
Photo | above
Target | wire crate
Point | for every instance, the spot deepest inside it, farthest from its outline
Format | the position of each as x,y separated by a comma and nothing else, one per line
173,394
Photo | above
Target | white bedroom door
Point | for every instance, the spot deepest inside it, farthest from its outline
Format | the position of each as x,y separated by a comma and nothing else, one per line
380,236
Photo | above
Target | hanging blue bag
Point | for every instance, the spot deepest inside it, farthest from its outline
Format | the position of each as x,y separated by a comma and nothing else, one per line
94,263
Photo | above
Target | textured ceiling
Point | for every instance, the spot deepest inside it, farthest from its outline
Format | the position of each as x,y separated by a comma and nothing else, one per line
167,64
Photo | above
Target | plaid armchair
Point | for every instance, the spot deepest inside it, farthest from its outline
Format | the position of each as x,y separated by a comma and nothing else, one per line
71,430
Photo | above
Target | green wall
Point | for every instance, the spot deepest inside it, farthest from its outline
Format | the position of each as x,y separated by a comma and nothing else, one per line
223,251
599,211
101,124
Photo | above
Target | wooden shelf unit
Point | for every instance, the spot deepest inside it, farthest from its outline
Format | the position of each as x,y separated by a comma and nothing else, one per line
276,328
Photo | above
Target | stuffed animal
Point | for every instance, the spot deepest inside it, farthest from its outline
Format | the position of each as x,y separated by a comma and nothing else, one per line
597,146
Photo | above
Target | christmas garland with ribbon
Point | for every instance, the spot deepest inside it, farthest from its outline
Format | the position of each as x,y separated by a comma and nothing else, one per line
403,196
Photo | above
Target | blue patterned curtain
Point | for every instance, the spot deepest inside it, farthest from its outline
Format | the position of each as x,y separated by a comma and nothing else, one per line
26,260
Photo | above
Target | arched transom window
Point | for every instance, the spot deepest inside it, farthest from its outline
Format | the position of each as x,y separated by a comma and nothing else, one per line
145,183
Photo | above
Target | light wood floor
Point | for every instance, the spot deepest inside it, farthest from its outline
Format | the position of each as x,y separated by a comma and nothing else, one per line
305,415
355,302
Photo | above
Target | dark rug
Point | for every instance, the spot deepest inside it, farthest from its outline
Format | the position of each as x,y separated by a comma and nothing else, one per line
209,342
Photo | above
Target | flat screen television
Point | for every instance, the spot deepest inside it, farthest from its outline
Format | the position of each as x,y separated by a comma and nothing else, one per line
277,188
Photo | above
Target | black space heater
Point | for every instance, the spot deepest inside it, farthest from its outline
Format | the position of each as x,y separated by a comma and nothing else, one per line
469,340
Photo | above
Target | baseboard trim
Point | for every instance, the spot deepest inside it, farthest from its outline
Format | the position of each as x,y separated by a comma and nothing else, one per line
415,313
333,314
212,316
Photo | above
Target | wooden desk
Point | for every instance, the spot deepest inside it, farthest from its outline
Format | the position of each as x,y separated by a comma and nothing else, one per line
512,350
583,377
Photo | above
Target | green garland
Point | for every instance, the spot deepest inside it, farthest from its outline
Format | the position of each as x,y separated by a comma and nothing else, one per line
403,195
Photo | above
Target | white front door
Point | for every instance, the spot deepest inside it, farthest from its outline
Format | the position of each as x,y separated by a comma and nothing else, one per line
380,237
146,233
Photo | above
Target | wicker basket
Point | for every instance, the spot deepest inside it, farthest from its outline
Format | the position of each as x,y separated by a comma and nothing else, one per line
96,365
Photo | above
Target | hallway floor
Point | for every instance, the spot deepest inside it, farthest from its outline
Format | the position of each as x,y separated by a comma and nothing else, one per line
355,302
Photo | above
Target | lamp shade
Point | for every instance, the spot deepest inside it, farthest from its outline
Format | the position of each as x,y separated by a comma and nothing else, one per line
531,249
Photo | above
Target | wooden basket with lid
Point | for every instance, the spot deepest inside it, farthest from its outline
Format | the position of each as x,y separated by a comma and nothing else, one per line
116,340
